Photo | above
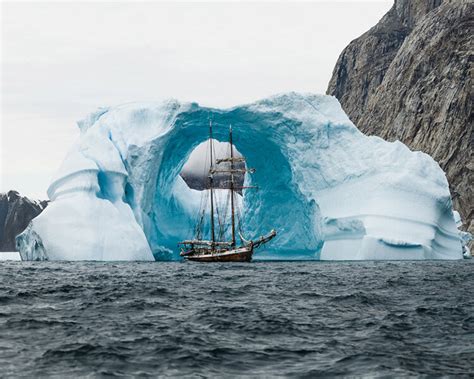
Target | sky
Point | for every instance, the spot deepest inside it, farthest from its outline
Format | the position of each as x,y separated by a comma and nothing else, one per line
62,60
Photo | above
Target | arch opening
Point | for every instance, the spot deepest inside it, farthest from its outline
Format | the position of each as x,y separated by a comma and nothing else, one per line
196,197
195,170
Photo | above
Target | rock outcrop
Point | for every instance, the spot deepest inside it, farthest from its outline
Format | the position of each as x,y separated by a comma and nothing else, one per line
16,212
410,78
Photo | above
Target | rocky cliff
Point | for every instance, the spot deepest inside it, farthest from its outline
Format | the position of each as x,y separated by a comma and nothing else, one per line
410,78
16,212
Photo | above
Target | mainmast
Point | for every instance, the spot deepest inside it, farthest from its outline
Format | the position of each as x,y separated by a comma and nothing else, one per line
231,170
213,236
232,184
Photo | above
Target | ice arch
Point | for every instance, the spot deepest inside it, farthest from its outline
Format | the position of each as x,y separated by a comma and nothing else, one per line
268,207
330,191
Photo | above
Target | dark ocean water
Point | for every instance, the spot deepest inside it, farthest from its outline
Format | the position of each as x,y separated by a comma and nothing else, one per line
258,319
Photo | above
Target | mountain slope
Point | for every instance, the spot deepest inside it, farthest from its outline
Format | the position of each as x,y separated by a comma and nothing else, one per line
410,78
16,212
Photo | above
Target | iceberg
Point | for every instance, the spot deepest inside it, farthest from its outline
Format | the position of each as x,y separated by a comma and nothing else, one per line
331,192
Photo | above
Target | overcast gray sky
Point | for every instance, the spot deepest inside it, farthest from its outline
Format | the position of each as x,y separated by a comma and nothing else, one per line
62,60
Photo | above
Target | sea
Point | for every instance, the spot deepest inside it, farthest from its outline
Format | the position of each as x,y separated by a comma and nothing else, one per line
261,319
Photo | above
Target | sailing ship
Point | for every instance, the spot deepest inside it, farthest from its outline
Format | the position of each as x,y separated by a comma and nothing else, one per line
218,248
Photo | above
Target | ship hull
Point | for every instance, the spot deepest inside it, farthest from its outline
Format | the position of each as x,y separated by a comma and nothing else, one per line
240,254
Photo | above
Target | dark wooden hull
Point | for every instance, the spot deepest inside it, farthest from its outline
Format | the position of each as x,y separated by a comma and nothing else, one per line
241,254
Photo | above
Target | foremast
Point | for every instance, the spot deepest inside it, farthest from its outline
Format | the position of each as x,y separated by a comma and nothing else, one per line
212,171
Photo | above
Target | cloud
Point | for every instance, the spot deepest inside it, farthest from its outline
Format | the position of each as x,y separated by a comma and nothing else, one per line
62,60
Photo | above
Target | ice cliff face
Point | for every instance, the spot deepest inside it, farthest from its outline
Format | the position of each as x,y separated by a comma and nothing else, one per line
329,191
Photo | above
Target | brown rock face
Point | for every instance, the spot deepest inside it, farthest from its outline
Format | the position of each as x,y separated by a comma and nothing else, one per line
16,212
410,78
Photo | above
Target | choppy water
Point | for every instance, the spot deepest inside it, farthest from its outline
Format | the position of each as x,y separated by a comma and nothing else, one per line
258,319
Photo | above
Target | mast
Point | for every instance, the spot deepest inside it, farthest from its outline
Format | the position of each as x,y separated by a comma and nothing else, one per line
232,184
213,236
